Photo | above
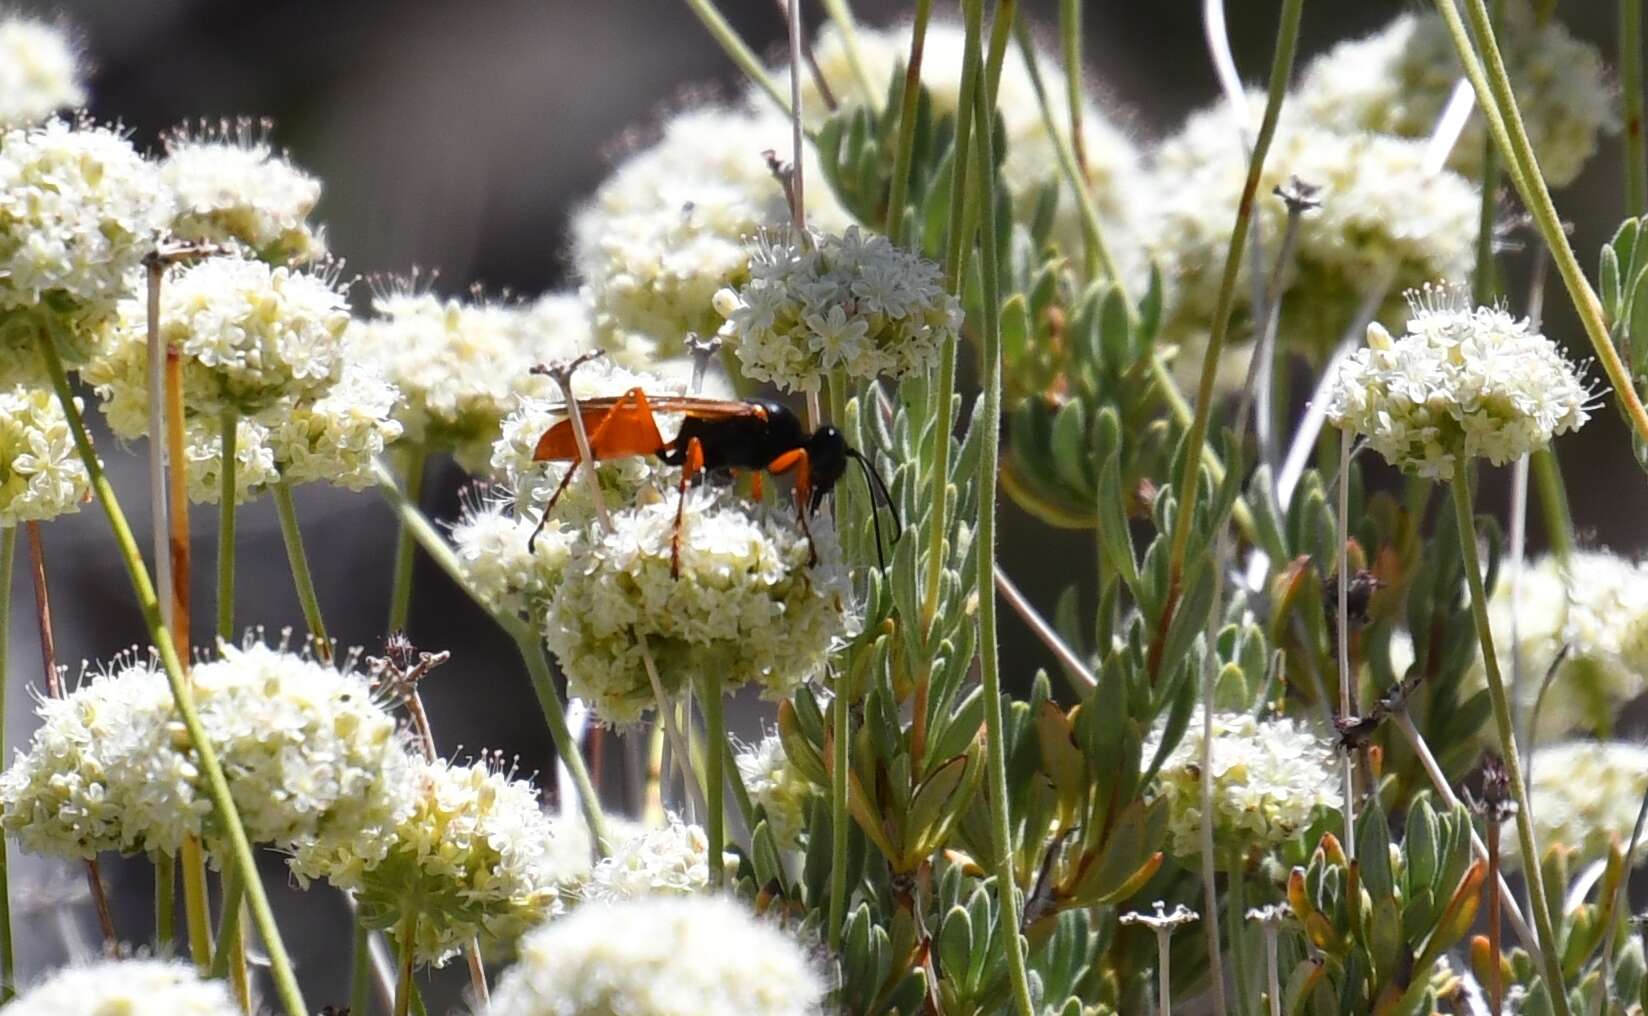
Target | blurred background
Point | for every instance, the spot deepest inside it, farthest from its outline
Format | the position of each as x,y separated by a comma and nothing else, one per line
459,137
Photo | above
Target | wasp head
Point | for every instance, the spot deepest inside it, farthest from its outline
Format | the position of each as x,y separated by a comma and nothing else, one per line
827,453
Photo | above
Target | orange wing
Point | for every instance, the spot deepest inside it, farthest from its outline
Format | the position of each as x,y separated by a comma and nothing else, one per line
617,428
688,405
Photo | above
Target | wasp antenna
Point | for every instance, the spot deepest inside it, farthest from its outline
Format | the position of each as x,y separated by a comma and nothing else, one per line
877,487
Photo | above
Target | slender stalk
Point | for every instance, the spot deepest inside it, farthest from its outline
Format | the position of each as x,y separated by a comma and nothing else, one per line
841,13
1164,976
1496,982
736,49
907,124
177,506
165,903
1485,281
1507,740
1235,913
1630,84
1287,39
989,659
400,592
477,975
798,176
1209,872
302,580
1342,635
239,850
715,783
155,272
1273,975
8,558
1081,677
841,739
230,958
226,529
1070,32
1504,118
197,915
360,969
408,942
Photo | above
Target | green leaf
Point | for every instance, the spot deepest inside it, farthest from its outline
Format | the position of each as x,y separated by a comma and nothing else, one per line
1115,542
1373,851
1069,446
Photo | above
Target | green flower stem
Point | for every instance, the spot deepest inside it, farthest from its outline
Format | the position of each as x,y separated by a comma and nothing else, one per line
413,460
239,852
737,51
226,530
840,739
841,13
1287,38
989,658
1183,415
230,958
165,904
1553,502
1507,740
1235,913
197,914
298,559
8,557
1504,119
407,935
1485,280
906,122
1630,84
360,968
715,783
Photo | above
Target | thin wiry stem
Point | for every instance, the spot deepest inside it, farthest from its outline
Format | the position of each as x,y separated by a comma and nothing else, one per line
841,13
360,967
907,125
1209,870
226,529
840,740
298,559
737,51
1073,665
8,558
413,458
407,934
1342,631
715,784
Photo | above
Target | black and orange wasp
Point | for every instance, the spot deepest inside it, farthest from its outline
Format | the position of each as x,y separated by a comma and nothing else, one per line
716,437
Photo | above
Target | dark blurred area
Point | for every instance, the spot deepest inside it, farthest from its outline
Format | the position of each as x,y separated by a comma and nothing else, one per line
459,137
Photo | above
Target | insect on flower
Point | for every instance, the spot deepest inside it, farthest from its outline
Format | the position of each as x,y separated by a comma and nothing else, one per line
717,436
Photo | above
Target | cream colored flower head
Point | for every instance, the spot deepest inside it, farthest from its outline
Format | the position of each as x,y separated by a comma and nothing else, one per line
474,857
129,986
670,861
1397,81
319,768
853,302
41,474
336,438
668,228
40,72
79,208
746,606
1271,779
778,787
699,956
234,190
1384,224
491,541
1461,381
1585,796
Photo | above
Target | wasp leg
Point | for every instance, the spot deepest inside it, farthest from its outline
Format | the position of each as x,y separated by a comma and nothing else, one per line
692,465
549,506
796,460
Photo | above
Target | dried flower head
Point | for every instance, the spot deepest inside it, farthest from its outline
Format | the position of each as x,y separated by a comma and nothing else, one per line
473,858
234,190
1397,81
780,790
746,604
1460,381
1270,780
1162,919
39,72
660,957
318,766
132,986
41,475
672,860
1384,224
1584,795
78,210
853,302
669,228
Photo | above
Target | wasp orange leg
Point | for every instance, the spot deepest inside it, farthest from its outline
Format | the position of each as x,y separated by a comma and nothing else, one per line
797,461
692,465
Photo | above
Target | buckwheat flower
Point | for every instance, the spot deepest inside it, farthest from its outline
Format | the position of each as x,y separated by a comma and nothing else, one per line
317,766
745,606
41,475
473,858
574,851
1460,381
775,785
1385,224
255,466
703,956
1585,796
39,72
668,228
234,190
671,861
335,438
131,986
79,208
853,301
1595,612
1270,780
1397,81
490,540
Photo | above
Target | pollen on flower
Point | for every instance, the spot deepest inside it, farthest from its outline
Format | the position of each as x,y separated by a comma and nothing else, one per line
39,72
41,475
1461,381
126,986
660,957
234,189
746,605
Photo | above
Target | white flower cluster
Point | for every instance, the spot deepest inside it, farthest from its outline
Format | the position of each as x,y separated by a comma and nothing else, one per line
1113,162
39,72
1397,81
778,787
78,207
131,987
669,227
317,766
1270,780
1460,381
335,438
1597,608
746,605
475,857
233,189
255,468
660,957
41,475
1584,795
672,860
1385,224
490,539
852,301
